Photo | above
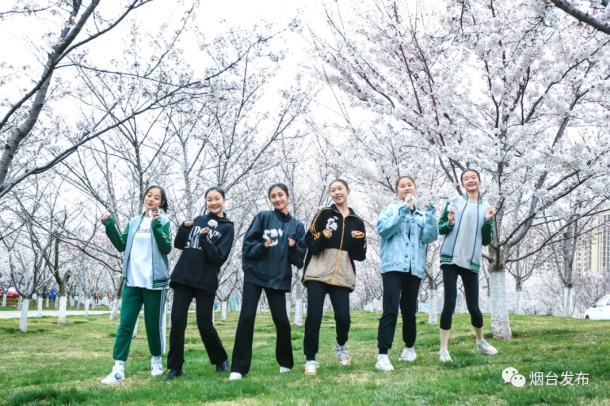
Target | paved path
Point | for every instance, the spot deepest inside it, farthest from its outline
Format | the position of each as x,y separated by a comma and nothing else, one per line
54,313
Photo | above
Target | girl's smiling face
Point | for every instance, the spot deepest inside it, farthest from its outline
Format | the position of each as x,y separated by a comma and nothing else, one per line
279,198
471,181
215,202
338,192
153,199
405,187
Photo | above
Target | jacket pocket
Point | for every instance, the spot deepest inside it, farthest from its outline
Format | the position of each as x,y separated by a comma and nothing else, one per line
322,266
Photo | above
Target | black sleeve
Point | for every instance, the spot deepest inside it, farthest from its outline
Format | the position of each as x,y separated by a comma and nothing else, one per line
296,253
182,236
357,246
254,246
314,239
218,250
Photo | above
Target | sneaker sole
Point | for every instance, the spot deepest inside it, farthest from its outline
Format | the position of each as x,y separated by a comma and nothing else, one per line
407,360
489,353
384,370
349,362
311,373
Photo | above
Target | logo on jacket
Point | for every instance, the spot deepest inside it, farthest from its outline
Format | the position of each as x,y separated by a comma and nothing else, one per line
273,235
332,223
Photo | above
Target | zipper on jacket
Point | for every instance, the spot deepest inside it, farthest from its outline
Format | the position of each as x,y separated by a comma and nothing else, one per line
474,248
457,232
339,255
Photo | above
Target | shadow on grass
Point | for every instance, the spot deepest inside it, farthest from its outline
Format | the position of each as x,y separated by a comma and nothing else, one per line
47,396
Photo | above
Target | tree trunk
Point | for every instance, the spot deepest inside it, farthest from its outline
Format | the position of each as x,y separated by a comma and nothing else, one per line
518,300
288,307
87,306
433,307
114,308
461,303
135,329
47,306
20,303
298,312
170,306
63,302
72,301
39,302
164,328
567,301
23,323
213,316
4,299
500,322
223,315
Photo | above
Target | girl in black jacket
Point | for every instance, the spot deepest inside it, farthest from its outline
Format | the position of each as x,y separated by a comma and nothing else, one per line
205,243
274,242
336,238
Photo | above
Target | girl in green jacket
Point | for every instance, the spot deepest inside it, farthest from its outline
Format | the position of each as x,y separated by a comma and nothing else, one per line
146,242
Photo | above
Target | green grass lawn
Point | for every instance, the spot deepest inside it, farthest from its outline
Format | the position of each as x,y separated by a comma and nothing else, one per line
54,364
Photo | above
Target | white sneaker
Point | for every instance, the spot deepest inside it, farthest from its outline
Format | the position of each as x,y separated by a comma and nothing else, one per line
311,368
408,354
283,370
443,356
156,368
235,376
383,363
117,375
486,348
343,356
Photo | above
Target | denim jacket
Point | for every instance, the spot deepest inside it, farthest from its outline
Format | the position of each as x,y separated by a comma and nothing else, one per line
404,236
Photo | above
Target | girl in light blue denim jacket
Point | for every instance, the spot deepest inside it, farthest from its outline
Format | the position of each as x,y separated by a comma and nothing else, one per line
405,229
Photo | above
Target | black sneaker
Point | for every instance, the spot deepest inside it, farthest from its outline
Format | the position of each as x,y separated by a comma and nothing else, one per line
172,374
224,367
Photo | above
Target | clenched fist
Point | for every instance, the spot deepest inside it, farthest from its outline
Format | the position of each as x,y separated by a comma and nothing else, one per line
451,218
490,213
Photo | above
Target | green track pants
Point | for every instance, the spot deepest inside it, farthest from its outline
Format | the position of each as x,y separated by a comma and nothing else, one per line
131,304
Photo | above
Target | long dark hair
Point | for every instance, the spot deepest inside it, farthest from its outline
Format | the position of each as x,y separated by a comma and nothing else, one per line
216,188
339,180
163,196
281,186
404,177
470,170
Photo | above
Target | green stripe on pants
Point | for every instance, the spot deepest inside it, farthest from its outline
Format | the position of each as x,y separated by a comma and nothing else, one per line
131,304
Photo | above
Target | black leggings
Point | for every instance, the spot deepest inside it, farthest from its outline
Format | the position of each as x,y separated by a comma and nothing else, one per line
339,297
242,351
399,289
470,280
183,296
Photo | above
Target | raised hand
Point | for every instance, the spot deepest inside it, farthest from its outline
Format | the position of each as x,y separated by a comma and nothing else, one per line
490,213
451,217
328,233
105,217
188,224
291,242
